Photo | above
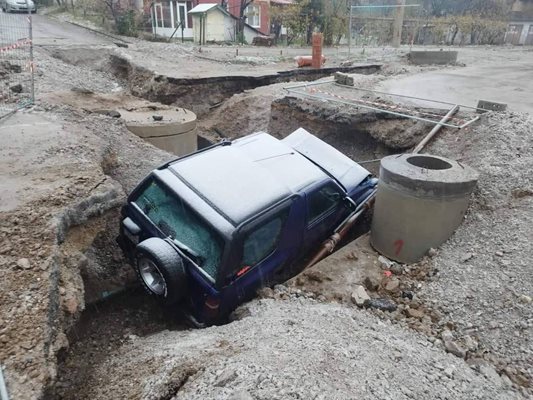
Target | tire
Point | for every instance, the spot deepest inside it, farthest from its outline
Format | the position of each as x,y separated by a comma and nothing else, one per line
161,270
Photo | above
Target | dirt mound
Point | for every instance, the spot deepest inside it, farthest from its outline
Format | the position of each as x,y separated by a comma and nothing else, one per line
289,349
484,283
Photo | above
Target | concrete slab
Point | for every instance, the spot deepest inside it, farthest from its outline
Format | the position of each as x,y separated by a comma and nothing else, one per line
433,57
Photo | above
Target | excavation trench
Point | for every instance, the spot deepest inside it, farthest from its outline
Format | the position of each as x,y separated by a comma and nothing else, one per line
202,94
117,310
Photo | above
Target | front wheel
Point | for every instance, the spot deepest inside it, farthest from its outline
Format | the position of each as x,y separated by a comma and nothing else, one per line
161,270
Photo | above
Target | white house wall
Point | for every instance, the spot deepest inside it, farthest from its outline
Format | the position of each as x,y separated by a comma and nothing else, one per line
215,26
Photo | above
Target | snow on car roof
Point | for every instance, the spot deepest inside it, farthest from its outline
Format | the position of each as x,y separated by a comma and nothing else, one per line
344,169
251,174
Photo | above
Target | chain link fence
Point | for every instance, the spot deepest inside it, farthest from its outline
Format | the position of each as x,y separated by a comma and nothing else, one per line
16,59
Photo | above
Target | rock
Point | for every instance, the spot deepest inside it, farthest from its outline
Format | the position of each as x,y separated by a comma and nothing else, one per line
16,88
490,373
446,335
414,313
392,285
382,304
385,262
71,304
360,296
407,294
396,269
24,263
524,299
449,372
432,252
114,113
470,343
499,254
371,283
454,348
266,293
240,395
466,257
81,90
226,377
62,290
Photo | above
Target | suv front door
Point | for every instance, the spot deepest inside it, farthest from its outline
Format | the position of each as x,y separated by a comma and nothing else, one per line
325,210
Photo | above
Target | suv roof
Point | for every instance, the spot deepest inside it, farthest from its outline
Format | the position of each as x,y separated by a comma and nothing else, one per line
257,171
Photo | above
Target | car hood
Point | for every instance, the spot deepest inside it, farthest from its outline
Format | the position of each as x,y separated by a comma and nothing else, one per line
346,171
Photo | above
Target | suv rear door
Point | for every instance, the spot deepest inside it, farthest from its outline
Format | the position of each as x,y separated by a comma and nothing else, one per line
264,247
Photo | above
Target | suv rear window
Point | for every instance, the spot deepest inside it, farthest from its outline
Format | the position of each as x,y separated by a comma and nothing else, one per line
177,220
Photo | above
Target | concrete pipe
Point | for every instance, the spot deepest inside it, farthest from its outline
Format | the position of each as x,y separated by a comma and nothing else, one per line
173,130
421,200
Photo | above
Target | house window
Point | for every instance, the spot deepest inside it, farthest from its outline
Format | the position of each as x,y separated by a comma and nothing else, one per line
180,14
253,15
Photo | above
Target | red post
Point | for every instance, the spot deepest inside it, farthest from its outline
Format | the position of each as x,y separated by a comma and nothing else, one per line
318,39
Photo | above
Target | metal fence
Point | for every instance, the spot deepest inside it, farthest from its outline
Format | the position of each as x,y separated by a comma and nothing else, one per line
16,62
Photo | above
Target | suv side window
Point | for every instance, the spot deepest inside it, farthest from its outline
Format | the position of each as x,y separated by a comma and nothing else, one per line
261,242
322,201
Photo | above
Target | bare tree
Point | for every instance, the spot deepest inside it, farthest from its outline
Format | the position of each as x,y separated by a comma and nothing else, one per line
242,18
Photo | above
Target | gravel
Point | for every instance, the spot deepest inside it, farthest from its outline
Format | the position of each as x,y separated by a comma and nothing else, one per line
292,349
485,268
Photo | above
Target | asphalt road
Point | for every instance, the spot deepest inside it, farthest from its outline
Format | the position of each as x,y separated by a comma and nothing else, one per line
46,31
497,74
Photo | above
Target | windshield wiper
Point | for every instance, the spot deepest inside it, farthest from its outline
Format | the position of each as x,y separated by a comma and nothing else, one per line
190,252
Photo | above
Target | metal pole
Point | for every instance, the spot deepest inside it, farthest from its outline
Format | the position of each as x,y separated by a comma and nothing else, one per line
435,129
3,388
350,30
30,33
372,108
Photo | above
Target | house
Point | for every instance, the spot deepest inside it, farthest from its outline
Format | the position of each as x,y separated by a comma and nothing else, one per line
257,13
520,30
212,23
169,17
173,17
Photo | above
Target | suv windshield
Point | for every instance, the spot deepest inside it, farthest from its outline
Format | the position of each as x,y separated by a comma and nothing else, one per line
176,219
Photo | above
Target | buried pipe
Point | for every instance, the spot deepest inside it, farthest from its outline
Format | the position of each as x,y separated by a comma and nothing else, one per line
331,243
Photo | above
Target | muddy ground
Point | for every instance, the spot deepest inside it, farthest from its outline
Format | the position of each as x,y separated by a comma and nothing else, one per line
74,324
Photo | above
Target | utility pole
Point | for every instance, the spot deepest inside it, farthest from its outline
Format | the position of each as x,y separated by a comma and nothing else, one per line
398,23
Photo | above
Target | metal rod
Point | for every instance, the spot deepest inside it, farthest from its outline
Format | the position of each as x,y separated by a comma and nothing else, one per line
435,130
407,97
309,84
350,29
30,34
379,92
376,109
3,389
469,122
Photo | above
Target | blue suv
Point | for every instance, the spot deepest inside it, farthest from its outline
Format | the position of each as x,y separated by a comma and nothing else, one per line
207,230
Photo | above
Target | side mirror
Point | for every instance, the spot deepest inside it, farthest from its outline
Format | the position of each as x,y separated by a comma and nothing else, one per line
349,203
